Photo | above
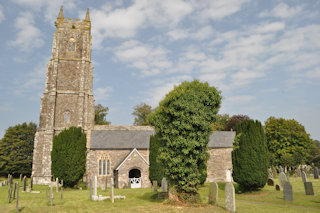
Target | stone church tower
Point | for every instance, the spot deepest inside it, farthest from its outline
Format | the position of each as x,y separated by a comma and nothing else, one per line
67,100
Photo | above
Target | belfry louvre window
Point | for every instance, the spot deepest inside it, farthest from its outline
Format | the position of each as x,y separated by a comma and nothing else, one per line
104,166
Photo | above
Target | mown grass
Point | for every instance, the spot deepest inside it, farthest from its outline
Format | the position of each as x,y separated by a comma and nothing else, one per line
140,200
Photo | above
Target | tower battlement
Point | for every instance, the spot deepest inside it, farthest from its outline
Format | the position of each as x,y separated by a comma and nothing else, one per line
70,23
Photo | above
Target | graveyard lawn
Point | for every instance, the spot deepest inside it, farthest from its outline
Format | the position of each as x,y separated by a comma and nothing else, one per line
141,200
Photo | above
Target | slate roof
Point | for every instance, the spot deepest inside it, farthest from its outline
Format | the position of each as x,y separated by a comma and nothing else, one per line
221,139
121,137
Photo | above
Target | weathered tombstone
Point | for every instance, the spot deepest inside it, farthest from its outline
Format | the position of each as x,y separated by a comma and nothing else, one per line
230,197
213,193
31,183
164,187
282,179
17,204
9,193
57,184
304,177
112,190
20,177
228,175
287,191
270,174
316,173
308,188
95,186
51,194
270,182
90,188
278,187
297,173
24,183
288,176
155,185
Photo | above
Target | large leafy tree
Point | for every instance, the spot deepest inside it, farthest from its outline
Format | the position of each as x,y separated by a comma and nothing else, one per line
232,122
220,123
250,156
100,113
183,122
16,149
288,141
141,112
156,169
68,155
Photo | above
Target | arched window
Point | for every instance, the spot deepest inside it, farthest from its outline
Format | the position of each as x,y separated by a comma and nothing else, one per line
104,165
66,117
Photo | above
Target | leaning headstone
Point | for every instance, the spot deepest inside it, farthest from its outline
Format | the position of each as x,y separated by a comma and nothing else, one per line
287,191
316,173
164,187
270,182
17,204
14,191
155,185
20,177
230,197
308,188
9,193
213,193
112,190
304,177
95,186
24,183
278,187
282,179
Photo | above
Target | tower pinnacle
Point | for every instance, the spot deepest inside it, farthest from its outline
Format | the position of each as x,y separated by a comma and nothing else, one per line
60,16
87,18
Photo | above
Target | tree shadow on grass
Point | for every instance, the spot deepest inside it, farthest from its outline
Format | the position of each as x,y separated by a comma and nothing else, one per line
151,197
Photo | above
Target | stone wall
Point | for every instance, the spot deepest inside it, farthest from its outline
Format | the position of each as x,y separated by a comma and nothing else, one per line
219,162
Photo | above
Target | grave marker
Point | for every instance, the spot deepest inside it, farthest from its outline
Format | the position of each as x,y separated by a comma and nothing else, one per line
155,185
17,204
57,184
282,179
278,187
95,186
315,173
213,193
164,187
230,197
270,182
24,183
106,184
112,190
308,188
304,177
287,191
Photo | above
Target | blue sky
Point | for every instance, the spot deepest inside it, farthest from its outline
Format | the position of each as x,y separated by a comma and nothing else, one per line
263,55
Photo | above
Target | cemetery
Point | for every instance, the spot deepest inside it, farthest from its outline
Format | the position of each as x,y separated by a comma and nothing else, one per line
39,198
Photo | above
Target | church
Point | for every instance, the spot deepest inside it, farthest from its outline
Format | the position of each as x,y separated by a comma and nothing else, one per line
113,151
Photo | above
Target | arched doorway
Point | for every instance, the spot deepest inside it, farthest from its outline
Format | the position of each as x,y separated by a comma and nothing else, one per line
135,178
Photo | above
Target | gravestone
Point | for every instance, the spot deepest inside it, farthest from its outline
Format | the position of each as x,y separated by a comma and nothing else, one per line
230,197
274,171
288,176
17,204
213,193
95,186
57,184
282,179
106,183
90,188
308,188
61,189
24,183
14,191
31,183
316,173
228,174
297,173
112,190
304,177
270,182
164,187
20,177
278,187
287,191
155,185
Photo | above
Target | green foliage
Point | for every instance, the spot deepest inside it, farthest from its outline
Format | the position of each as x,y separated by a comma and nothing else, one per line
183,122
16,149
232,122
250,160
100,113
156,170
288,141
141,112
220,123
68,155
314,157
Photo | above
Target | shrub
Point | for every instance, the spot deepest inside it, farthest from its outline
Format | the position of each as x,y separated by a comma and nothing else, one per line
156,170
68,155
250,157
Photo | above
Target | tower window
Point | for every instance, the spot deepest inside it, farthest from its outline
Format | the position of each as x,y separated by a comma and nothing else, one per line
66,117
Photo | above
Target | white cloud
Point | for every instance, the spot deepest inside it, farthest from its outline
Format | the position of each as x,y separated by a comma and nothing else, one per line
6,108
202,33
1,14
102,93
282,10
217,9
270,27
29,36
240,99
313,73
